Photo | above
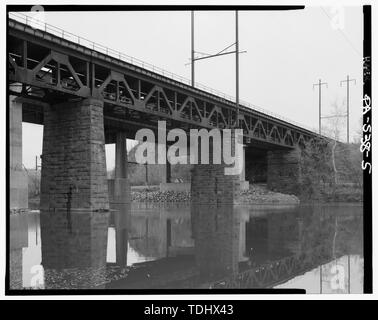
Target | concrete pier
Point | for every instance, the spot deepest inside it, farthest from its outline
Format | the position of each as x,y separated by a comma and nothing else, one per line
73,157
119,187
212,200
209,183
74,190
244,184
18,179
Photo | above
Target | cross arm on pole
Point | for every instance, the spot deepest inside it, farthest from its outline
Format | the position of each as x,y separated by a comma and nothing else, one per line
217,55
347,80
335,116
319,84
232,44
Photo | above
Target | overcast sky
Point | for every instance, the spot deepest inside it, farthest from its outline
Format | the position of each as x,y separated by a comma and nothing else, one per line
287,52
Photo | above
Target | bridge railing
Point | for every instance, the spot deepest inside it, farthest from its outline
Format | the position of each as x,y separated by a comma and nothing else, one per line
38,24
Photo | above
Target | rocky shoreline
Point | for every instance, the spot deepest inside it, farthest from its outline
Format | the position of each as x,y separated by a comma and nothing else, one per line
257,194
147,195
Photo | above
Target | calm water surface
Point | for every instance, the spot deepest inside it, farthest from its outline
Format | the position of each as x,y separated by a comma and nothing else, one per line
317,248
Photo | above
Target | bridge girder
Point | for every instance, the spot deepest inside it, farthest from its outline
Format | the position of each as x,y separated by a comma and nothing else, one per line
51,69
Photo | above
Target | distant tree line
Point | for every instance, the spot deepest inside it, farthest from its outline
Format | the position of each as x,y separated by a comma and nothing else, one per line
330,168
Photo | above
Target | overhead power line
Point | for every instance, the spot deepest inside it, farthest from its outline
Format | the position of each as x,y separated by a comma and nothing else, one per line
343,34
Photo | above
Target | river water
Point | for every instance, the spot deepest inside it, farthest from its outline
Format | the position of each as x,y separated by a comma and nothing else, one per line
318,248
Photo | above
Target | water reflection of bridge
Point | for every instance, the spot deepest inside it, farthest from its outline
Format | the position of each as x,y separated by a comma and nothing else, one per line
172,247
246,247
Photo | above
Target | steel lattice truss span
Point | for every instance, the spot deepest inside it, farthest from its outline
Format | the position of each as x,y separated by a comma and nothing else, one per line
45,68
280,271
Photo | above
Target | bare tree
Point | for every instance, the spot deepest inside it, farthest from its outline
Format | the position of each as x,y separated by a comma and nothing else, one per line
335,125
358,133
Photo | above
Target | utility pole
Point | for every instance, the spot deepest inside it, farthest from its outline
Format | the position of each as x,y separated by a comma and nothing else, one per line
192,55
347,82
321,279
320,102
348,273
220,53
237,66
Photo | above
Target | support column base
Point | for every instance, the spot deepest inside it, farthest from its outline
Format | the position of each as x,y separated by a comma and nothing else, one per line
244,185
18,190
119,191
178,187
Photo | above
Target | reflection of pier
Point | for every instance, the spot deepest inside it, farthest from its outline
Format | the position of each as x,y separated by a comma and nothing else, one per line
216,234
18,241
152,233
